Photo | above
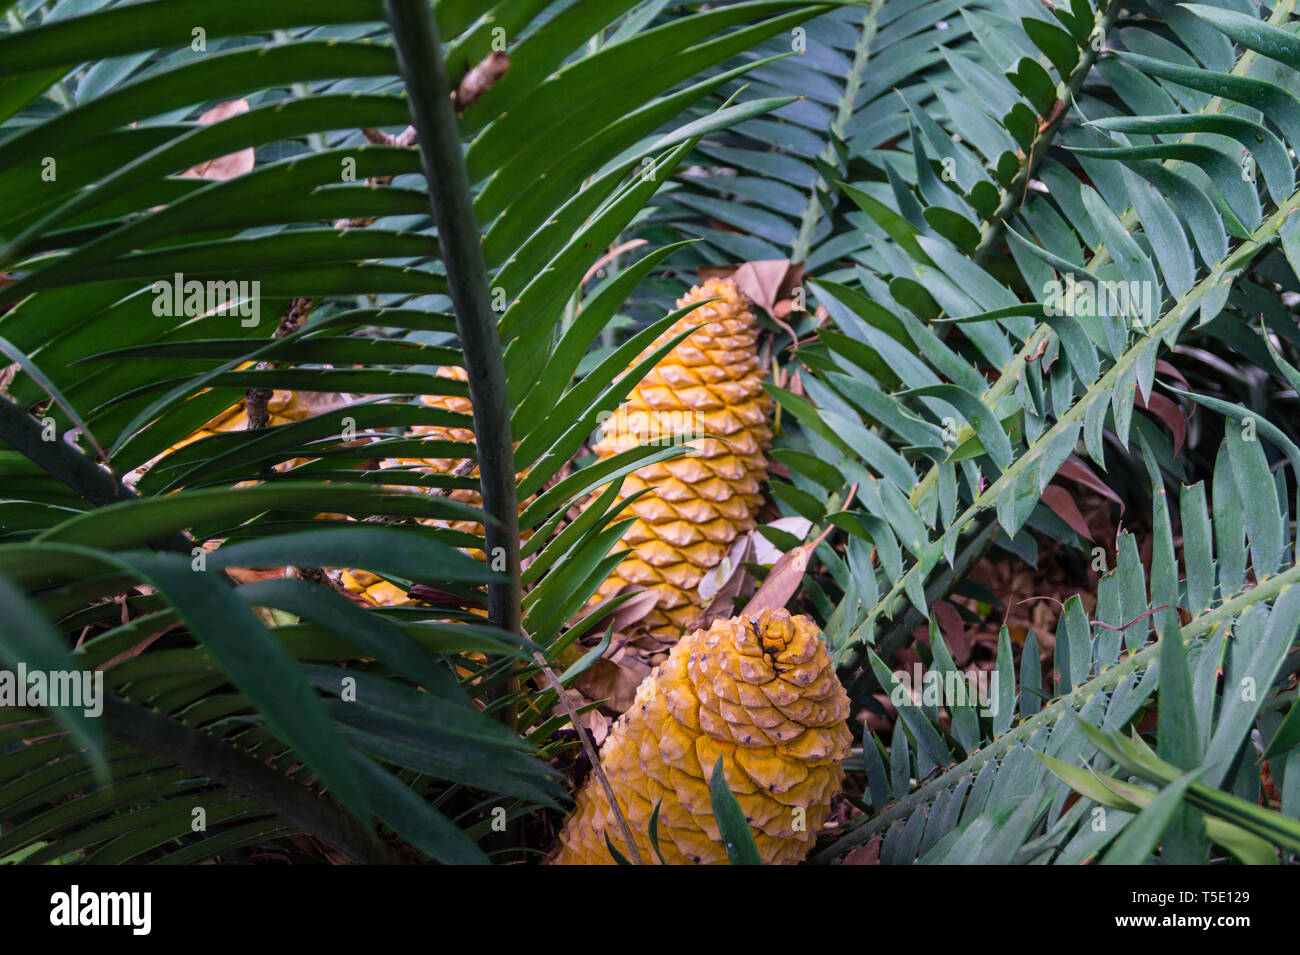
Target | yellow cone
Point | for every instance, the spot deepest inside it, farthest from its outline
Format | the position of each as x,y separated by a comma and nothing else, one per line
380,593
699,504
760,692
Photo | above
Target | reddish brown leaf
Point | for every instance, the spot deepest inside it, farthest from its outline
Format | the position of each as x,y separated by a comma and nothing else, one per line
628,614
783,580
1076,470
1062,504
865,855
954,631
246,575
776,469
1170,414
612,682
438,598
481,78
1164,368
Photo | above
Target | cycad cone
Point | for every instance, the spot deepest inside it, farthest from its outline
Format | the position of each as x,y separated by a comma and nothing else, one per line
700,503
762,693
283,407
376,591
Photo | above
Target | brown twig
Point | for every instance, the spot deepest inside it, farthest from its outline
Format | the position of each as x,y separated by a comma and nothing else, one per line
477,81
257,399
481,78
1141,616
255,408
590,749
1006,616
610,256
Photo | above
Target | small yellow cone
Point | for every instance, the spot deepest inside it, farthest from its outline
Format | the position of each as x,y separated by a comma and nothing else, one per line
372,589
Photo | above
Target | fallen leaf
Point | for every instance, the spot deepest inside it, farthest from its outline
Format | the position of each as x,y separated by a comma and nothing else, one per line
865,855
954,631
767,282
597,724
783,581
480,78
232,164
627,614
246,575
722,587
612,682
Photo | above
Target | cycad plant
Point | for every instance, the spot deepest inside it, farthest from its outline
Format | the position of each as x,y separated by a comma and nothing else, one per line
1027,250
235,686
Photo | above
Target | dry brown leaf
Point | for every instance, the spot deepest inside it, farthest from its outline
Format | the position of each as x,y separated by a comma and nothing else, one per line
232,164
719,576
726,582
480,78
612,682
865,855
954,631
783,580
1062,504
768,283
1076,470
426,594
247,575
776,469
597,724
627,615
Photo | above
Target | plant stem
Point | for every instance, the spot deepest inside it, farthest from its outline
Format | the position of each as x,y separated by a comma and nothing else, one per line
419,51
812,212
996,226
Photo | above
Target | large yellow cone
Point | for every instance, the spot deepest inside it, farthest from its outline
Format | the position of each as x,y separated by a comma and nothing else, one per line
761,693
701,503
